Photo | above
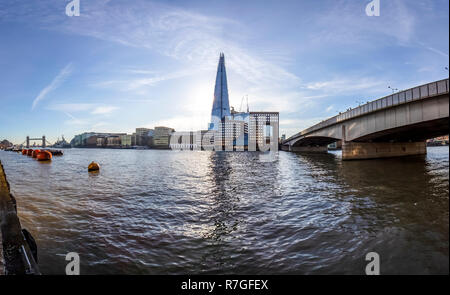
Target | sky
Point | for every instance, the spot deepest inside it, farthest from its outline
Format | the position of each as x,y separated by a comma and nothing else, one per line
125,64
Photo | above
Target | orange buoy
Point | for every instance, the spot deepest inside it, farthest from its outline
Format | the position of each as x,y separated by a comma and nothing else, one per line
24,151
44,156
29,152
93,167
34,153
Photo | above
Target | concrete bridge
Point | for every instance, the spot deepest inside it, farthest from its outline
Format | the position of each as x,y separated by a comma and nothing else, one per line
395,125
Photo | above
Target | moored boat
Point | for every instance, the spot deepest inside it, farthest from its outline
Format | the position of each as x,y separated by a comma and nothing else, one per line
35,153
56,152
44,156
62,144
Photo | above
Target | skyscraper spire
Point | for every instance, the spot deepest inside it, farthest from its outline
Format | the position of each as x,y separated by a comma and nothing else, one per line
221,105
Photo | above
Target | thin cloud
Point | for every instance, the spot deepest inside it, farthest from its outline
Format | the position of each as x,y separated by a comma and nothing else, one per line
438,51
145,79
73,120
93,108
102,110
71,107
83,108
347,85
432,49
57,81
191,38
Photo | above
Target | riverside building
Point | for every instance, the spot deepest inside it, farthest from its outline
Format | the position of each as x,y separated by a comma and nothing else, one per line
161,137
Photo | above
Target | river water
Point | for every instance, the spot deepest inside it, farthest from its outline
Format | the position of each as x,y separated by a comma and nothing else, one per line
185,212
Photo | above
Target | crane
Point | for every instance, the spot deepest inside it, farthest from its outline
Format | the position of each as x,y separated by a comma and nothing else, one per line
242,100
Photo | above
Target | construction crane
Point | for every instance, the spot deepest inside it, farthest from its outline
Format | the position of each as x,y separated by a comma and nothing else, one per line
242,100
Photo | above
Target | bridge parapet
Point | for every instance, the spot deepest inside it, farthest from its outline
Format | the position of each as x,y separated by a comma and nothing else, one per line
416,93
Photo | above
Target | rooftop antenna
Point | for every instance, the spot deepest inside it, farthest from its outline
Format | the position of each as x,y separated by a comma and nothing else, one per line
240,108
247,104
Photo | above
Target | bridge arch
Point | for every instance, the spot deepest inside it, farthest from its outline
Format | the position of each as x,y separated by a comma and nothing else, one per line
313,141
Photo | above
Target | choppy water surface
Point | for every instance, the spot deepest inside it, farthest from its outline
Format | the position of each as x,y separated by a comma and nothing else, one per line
172,212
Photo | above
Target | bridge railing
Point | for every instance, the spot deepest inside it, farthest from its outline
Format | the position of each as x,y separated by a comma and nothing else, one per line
401,97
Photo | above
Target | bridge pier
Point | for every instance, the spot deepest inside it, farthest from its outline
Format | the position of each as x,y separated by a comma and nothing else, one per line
375,150
284,148
309,149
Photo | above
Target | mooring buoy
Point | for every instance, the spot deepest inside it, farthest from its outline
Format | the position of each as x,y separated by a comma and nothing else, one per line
93,167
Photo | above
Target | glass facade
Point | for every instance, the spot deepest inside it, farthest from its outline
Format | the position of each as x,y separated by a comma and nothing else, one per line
221,105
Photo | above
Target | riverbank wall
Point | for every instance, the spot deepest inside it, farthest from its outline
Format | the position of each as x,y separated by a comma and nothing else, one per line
18,252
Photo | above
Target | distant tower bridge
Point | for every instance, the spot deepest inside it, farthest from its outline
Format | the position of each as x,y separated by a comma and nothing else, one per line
42,139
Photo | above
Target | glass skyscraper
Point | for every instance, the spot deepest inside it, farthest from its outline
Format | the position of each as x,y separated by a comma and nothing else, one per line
221,105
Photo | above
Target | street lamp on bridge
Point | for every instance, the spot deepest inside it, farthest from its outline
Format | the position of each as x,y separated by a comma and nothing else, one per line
393,89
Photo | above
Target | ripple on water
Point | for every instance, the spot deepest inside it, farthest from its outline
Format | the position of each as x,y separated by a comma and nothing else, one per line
167,212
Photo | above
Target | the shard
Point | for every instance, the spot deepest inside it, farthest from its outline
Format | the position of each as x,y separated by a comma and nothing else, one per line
221,105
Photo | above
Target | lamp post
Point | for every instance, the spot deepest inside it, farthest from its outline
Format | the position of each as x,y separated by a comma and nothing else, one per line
393,89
